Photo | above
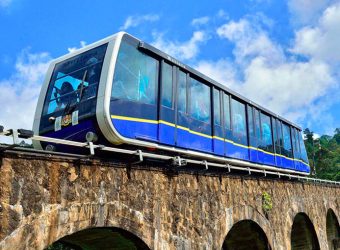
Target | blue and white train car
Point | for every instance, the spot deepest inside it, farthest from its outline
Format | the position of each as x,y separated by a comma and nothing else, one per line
121,90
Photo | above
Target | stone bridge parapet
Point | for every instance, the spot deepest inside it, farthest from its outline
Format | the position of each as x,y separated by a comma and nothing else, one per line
45,198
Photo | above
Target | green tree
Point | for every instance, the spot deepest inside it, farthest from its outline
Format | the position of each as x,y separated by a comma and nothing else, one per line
324,154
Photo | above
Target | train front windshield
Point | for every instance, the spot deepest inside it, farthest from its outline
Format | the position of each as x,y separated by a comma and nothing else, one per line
74,82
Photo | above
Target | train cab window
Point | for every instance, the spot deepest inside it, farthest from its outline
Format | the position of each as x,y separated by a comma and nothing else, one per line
75,80
226,111
287,143
200,105
182,92
239,121
266,131
217,108
136,75
167,88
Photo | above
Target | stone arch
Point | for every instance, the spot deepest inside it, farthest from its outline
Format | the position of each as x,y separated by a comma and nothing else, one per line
244,235
332,230
303,234
100,238
42,230
241,213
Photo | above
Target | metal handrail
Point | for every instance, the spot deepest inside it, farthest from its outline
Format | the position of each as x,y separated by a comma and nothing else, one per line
177,161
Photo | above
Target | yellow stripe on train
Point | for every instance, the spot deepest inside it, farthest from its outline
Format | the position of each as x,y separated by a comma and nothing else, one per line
126,118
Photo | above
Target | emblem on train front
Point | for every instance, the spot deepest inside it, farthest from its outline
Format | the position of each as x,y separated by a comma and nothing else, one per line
67,119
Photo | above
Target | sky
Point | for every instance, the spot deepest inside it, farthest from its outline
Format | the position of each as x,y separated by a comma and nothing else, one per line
284,55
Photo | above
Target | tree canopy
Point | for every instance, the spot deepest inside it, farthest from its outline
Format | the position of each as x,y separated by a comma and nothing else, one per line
324,154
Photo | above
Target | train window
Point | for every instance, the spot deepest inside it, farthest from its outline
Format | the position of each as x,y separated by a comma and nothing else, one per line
75,80
167,89
182,92
296,146
217,107
278,141
251,121
200,101
257,125
226,109
266,130
239,121
304,156
136,75
287,143
274,132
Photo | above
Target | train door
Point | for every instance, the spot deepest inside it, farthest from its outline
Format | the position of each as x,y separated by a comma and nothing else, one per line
199,112
182,135
253,143
277,135
218,131
167,114
239,146
228,143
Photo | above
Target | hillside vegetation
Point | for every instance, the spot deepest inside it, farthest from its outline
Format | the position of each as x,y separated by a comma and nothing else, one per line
324,155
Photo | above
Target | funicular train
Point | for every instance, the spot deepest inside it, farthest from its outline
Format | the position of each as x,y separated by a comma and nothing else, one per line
121,90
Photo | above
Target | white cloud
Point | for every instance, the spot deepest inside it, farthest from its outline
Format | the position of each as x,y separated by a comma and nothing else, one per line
306,11
250,40
5,3
287,88
321,41
222,14
19,93
263,72
222,71
72,49
181,50
200,21
134,21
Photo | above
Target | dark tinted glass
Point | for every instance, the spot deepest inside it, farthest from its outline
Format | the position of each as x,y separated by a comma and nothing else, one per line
136,75
251,121
167,85
279,141
75,80
296,145
287,144
274,132
200,101
257,126
182,92
304,156
266,130
239,121
226,109
217,107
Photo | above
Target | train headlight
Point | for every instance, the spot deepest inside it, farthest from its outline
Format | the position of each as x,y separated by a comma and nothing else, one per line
50,147
91,137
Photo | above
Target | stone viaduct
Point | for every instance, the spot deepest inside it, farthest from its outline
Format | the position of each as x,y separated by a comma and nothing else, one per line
49,202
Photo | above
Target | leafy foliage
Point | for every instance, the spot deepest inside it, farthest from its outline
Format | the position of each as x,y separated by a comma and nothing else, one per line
324,154
267,204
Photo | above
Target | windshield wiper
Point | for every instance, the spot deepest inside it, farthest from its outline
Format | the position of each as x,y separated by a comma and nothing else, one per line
68,108
82,85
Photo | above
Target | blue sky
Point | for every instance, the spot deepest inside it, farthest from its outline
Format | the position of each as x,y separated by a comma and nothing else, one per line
285,55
